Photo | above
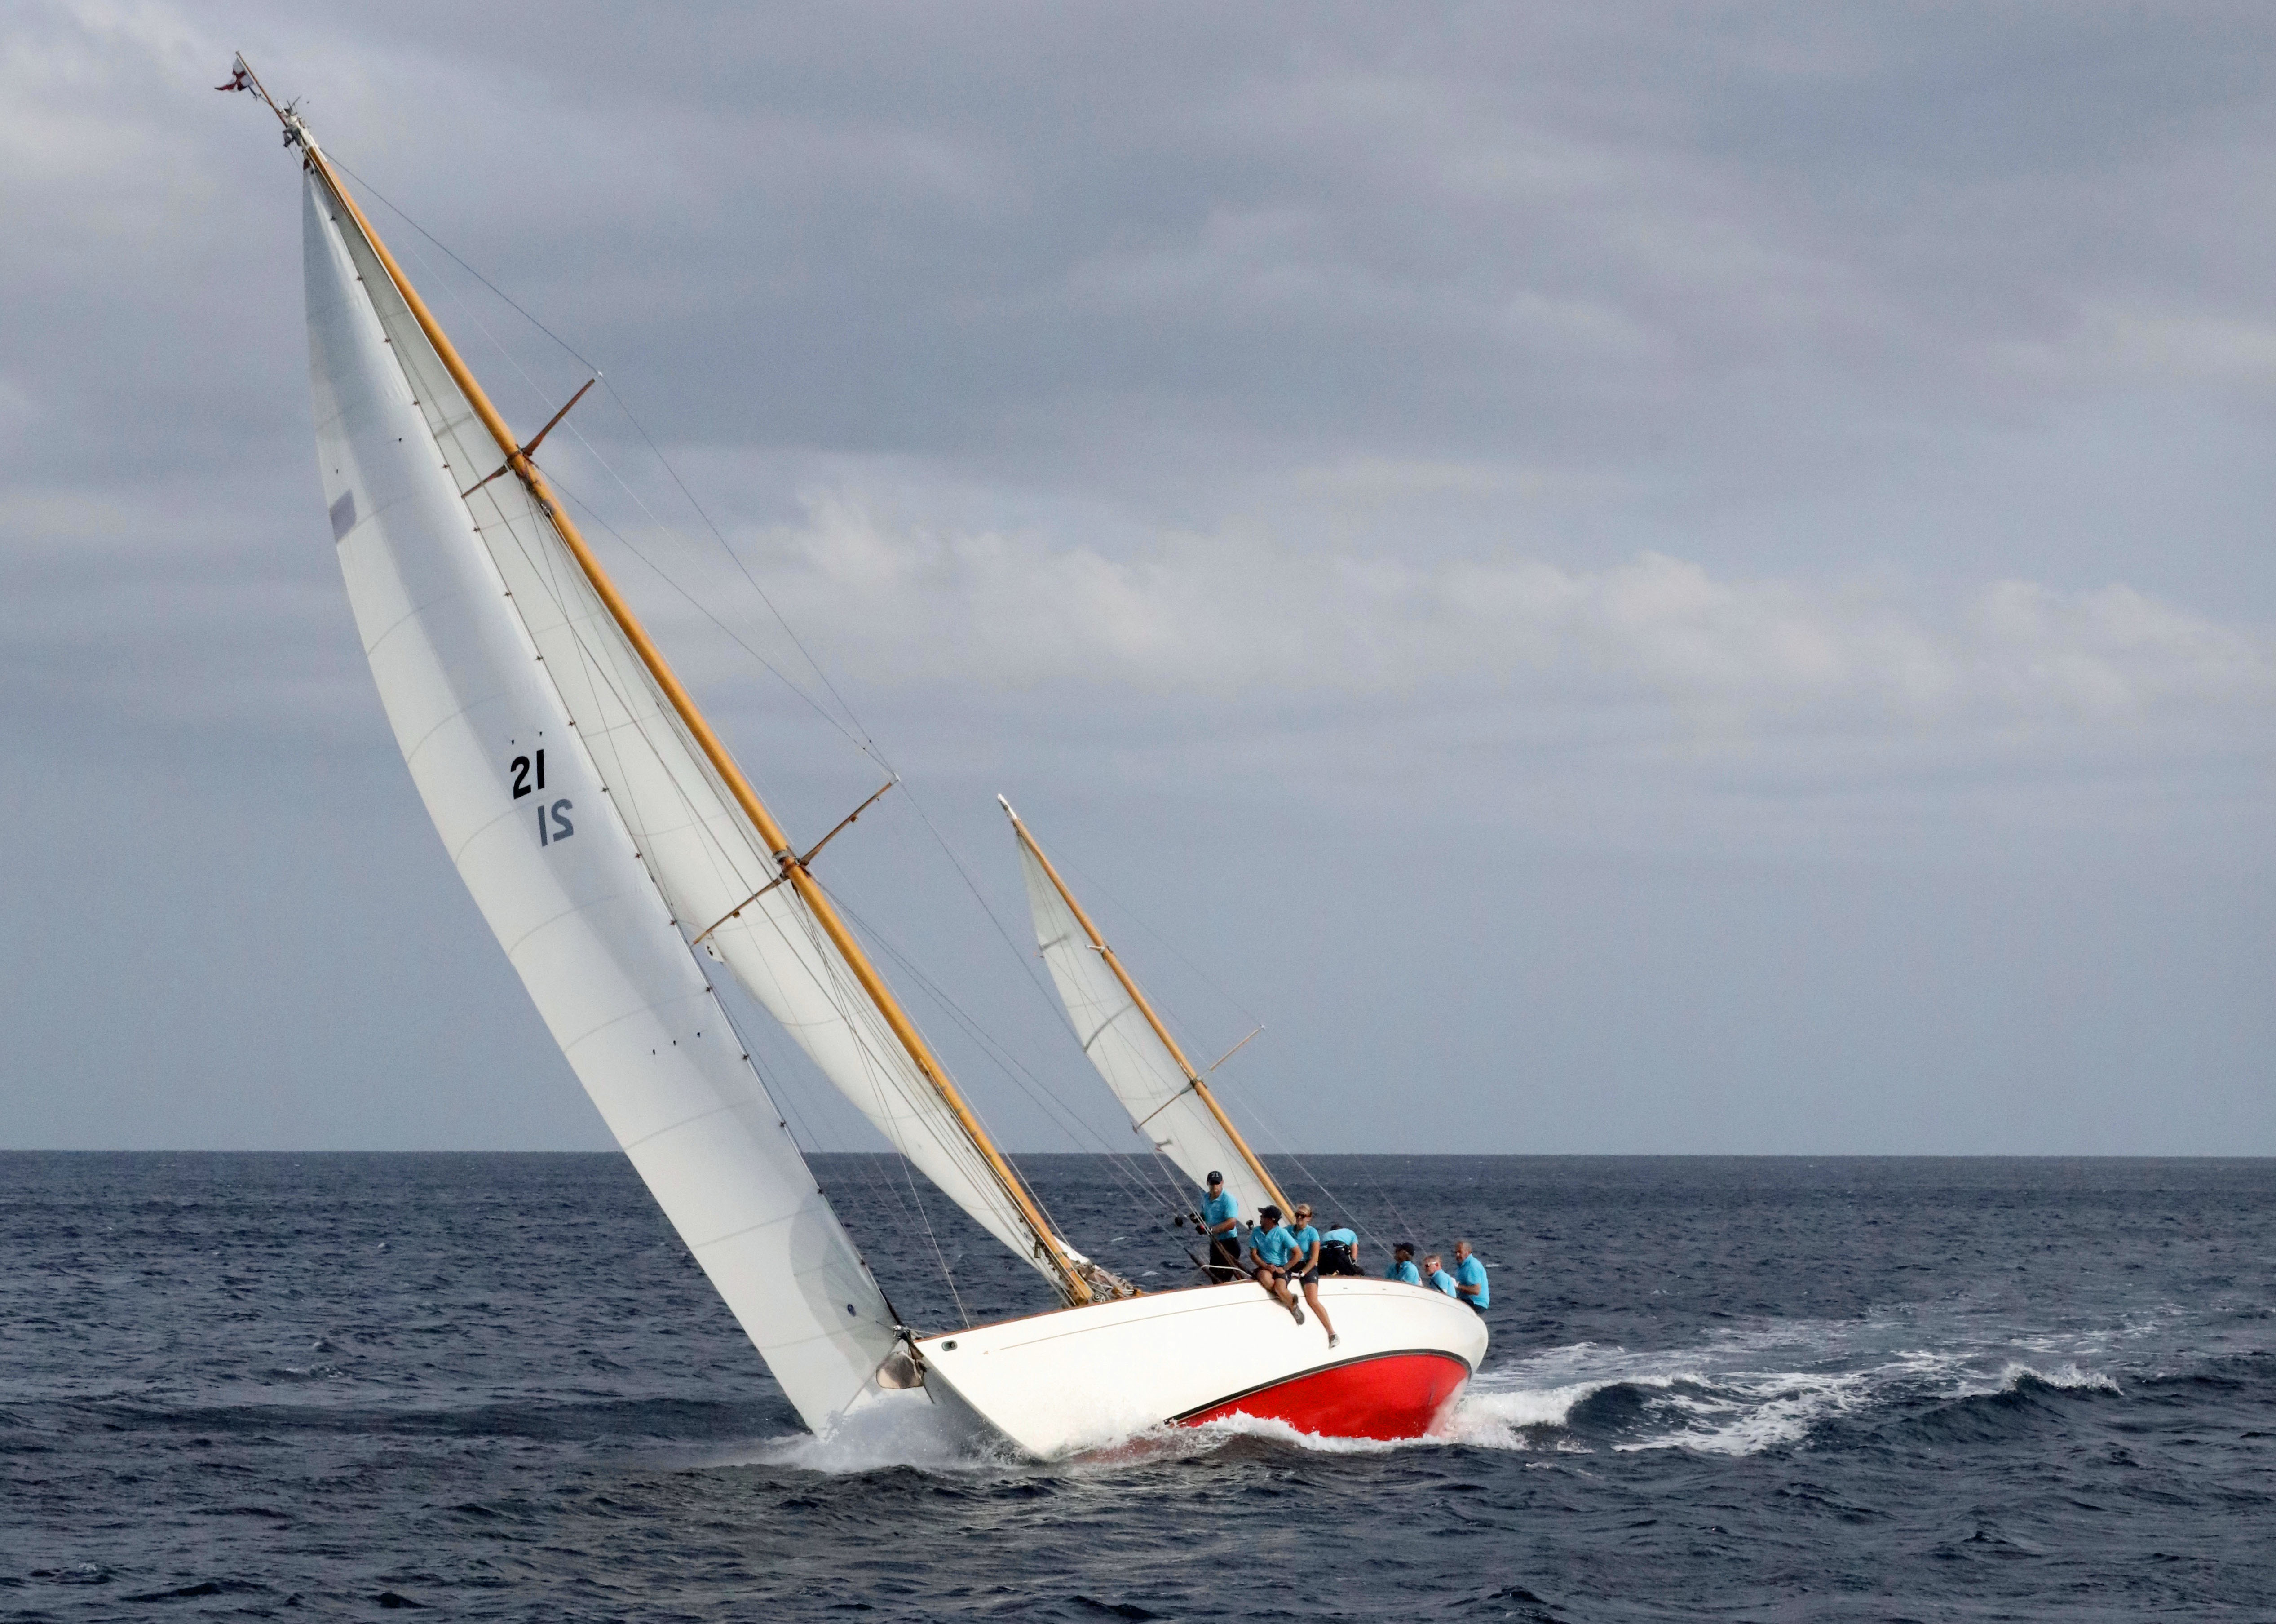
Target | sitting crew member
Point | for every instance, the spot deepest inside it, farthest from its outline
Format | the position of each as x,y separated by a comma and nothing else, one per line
1435,1276
1307,1269
1221,1228
1402,1264
1340,1253
1270,1250
1470,1277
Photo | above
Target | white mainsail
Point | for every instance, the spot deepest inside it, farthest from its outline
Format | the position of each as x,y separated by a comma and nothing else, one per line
696,842
1166,1099
554,871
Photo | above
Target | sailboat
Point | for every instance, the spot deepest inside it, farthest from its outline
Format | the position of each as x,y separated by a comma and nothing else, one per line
624,860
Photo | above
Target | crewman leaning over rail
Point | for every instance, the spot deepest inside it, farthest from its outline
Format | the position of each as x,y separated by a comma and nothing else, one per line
1307,1269
1271,1249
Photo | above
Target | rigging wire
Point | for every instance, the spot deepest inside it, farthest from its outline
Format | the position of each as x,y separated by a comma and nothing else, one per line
1010,1064
1180,1201
868,745
1091,882
776,1093
662,574
973,1029
587,508
858,735
332,158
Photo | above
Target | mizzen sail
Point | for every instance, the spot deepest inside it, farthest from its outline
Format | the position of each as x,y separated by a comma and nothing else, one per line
1170,1103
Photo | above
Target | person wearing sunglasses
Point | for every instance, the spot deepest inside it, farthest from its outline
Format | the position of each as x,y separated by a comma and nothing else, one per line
1308,1268
1271,1249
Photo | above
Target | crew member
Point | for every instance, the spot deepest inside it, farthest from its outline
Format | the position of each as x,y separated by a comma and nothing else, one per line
1221,1227
1436,1277
1470,1277
1271,1247
1340,1253
1402,1264
1308,1268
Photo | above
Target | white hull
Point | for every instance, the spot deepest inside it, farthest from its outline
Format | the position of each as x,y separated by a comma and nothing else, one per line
1081,1378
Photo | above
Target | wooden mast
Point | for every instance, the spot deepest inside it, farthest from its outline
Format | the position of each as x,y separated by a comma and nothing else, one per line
1072,1284
1146,1008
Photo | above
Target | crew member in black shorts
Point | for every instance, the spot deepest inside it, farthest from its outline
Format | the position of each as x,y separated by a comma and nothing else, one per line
1221,1229
1307,1268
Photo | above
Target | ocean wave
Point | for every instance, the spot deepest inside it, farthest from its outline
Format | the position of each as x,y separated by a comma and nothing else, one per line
2066,1378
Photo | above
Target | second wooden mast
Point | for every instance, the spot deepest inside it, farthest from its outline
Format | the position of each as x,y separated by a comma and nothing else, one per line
1193,1080
1068,1276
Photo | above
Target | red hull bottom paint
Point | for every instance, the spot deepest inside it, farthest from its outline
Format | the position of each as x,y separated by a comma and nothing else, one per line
1393,1396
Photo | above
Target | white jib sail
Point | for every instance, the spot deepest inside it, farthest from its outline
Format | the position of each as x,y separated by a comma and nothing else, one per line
697,842
1144,1076
552,866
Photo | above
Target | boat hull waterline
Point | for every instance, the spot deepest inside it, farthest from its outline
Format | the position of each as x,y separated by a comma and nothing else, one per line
1058,1384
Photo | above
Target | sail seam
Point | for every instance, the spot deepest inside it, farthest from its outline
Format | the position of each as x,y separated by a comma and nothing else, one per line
724,1108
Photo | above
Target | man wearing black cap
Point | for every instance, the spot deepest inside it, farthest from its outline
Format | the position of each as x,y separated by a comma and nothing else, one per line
1221,1227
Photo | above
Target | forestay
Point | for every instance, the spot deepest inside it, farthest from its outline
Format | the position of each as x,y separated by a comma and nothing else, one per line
695,841
1164,1105
524,811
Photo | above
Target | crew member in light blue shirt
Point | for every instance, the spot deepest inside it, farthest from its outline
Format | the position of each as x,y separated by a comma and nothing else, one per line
1340,1253
1436,1277
1308,1268
1221,1229
1470,1277
1271,1249
1402,1264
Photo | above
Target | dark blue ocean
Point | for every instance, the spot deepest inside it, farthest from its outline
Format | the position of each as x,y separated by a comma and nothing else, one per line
495,1387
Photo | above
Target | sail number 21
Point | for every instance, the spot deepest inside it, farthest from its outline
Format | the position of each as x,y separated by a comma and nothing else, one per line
552,821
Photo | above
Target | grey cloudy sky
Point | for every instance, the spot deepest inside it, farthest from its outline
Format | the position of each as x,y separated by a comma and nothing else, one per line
1645,579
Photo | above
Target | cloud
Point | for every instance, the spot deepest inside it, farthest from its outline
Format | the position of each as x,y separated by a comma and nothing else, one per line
1304,434
1240,616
